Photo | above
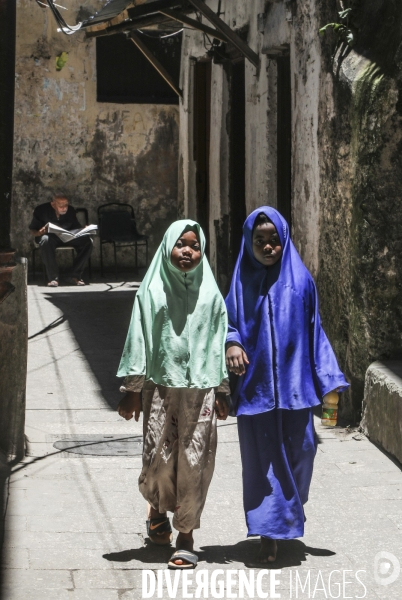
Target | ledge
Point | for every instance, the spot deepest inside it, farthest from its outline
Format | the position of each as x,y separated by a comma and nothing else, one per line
382,406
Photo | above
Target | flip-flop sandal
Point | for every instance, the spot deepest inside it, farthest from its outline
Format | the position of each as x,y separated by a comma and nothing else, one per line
190,558
78,281
159,531
53,283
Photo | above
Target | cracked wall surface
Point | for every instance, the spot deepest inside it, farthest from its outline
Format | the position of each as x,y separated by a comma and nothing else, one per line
93,152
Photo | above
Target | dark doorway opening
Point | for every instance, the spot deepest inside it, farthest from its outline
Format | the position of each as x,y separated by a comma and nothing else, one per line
237,158
284,140
202,132
124,75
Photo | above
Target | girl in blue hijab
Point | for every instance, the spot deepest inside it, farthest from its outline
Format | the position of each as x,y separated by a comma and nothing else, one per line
286,366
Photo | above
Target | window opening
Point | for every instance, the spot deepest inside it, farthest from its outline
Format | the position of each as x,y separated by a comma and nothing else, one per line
125,75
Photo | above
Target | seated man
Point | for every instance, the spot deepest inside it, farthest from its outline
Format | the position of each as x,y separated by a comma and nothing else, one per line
59,213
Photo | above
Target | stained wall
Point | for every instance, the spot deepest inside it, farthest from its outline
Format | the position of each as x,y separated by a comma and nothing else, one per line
346,167
360,137
66,141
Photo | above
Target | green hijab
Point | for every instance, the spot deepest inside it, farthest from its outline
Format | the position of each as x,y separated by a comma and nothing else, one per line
178,326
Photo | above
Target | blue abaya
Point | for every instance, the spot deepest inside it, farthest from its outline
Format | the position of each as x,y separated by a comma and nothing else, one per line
277,452
273,315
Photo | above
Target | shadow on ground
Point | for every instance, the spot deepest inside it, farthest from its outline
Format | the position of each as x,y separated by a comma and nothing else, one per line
99,321
291,553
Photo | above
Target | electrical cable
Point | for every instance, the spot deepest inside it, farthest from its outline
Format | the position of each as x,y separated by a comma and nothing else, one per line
47,6
63,26
161,37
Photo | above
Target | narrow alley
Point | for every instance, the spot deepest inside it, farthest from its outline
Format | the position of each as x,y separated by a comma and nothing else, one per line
76,521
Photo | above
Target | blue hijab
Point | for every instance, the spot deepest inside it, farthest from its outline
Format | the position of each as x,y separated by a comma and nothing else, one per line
273,314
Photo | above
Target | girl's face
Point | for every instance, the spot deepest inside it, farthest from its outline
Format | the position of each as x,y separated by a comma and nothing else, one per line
267,247
186,254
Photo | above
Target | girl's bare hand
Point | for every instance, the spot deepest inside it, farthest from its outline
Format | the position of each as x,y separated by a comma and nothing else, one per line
236,359
130,405
221,407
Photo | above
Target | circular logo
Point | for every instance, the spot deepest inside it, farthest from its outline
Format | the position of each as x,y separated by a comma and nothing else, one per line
386,568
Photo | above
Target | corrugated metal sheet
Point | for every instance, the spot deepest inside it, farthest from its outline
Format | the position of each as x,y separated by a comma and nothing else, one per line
111,9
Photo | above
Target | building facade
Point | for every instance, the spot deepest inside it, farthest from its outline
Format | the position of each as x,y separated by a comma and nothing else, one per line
68,141
313,130
269,112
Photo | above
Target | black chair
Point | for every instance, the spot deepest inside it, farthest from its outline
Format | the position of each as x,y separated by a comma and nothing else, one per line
84,212
117,226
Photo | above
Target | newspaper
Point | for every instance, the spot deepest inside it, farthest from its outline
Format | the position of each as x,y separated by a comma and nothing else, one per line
67,236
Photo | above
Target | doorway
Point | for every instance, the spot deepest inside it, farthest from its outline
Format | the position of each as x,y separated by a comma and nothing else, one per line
202,133
237,157
284,138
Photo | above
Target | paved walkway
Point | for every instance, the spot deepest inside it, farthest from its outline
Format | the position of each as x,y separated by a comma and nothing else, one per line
76,523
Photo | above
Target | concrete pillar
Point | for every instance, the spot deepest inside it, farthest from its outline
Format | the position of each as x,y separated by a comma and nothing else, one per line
13,357
7,80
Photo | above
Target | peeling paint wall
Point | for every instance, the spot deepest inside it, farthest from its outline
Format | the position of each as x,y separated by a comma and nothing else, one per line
93,152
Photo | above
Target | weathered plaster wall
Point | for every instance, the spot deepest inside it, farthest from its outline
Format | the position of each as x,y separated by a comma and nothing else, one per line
193,49
93,152
382,406
297,27
360,270
346,165
13,364
258,160
306,71
238,15
347,171
219,157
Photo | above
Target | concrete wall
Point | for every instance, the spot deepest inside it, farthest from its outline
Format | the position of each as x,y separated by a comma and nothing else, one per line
306,71
93,152
382,406
13,364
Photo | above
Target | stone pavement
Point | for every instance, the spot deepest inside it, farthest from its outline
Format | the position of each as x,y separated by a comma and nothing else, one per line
76,522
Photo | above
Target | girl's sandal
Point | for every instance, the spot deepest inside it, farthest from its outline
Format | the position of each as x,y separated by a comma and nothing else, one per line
183,557
188,560
159,531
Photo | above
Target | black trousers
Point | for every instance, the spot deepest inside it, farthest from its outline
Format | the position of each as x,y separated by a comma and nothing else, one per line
48,244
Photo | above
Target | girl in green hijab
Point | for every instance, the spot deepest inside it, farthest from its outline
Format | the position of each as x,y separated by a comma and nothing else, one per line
174,357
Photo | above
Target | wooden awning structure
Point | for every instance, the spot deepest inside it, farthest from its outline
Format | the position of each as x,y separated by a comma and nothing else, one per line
129,16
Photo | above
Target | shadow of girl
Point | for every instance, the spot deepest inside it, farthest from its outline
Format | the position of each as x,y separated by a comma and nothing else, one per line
291,553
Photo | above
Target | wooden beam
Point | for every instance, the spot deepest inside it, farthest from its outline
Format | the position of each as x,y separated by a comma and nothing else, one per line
176,16
123,16
231,36
130,25
154,18
144,11
155,63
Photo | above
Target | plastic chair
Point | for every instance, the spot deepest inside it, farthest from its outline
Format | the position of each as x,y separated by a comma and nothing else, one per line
83,211
117,226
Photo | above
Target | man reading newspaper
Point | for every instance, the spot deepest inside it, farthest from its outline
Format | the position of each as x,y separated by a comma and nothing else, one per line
58,212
